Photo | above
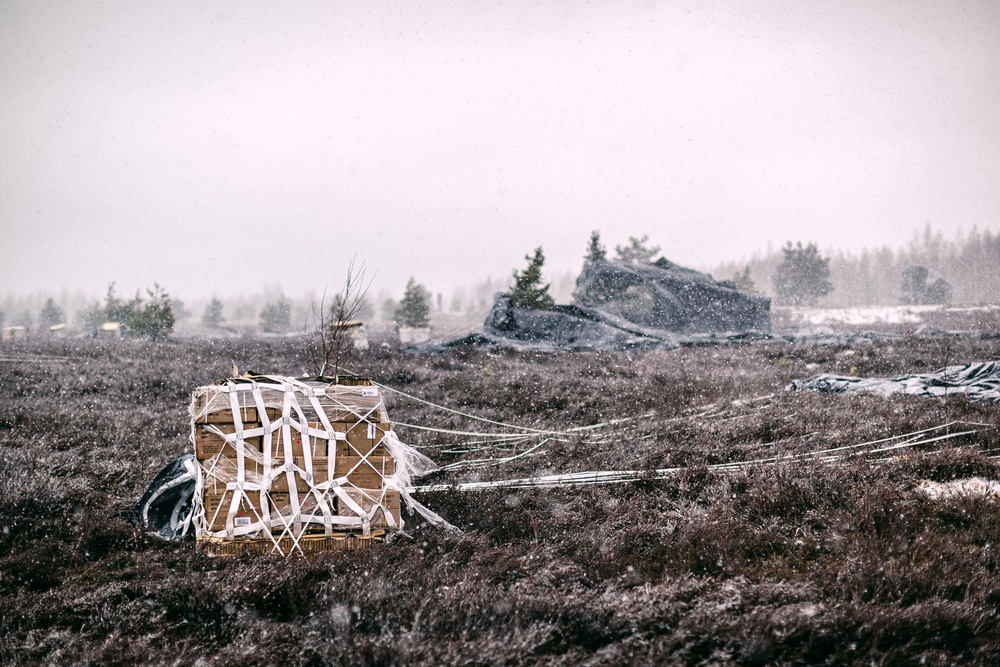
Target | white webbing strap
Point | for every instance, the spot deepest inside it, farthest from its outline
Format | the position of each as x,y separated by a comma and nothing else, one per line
251,486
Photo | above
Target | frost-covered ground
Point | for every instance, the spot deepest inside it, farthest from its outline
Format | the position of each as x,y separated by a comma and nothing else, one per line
841,562
954,317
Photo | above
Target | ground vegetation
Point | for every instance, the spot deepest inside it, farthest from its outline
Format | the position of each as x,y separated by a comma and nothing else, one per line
780,563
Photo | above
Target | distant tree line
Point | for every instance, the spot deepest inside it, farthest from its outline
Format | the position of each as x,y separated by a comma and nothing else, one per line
873,277
150,317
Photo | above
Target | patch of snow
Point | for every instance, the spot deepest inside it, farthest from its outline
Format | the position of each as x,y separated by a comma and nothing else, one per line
971,487
862,314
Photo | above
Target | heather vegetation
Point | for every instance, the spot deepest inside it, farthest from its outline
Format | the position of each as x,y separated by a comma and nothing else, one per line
788,563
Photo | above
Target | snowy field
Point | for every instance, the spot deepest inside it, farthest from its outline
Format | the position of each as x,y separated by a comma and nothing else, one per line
880,316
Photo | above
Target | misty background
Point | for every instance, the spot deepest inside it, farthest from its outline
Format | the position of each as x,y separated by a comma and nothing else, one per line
248,151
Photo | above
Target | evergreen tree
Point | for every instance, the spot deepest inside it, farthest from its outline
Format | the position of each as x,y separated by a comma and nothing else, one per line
155,319
636,252
277,317
51,314
114,308
414,308
528,291
389,309
91,317
744,282
212,317
595,251
803,277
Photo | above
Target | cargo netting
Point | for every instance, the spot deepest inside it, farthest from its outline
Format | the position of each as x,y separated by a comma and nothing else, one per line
285,465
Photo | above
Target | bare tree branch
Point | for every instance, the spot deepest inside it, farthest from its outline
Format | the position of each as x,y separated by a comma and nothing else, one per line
333,338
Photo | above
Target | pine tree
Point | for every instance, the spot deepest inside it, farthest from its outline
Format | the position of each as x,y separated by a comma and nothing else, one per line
114,308
744,282
51,314
636,252
414,308
91,317
155,319
212,317
528,291
803,277
277,317
595,251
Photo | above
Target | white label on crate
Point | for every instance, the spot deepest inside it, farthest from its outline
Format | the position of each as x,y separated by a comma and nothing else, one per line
371,431
369,391
241,521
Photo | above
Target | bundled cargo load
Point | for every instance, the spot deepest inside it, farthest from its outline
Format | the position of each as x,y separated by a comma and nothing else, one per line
286,465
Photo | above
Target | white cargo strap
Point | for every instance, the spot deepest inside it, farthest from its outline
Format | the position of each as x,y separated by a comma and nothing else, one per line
250,475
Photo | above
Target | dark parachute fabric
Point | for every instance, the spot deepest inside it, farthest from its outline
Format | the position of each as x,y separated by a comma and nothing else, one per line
630,306
980,382
563,328
165,508
663,297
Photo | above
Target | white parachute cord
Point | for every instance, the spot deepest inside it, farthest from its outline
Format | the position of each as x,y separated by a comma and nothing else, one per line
600,477
466,414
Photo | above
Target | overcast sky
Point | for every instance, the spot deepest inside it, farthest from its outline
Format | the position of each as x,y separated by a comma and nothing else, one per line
220,147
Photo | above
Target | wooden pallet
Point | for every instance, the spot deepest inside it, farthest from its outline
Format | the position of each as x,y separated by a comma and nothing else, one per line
308,544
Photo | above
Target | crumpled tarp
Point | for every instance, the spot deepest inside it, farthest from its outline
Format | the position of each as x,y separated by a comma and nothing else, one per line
980,382
165,508
630,306
654,299
563,328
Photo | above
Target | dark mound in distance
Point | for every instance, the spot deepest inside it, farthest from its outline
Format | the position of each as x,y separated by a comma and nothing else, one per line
629,306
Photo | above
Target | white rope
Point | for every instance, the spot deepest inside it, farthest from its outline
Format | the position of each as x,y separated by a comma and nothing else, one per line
593,477
245,479
466,414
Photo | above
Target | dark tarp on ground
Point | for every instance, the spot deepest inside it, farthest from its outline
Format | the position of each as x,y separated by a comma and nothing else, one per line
629,306
659,297
165,508
980,382
564,328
